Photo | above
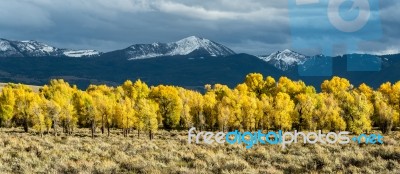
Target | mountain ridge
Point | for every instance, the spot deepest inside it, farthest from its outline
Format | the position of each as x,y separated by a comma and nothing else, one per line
32,48
192,45
284,59
193,67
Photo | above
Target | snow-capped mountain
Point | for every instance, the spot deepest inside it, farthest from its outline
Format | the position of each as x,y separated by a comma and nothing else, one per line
32,48
188,46
81,53
284,59
8,50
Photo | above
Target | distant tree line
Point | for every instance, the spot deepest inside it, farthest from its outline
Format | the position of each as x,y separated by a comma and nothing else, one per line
258,103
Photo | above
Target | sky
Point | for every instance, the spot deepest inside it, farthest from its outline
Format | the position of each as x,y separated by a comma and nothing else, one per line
256,27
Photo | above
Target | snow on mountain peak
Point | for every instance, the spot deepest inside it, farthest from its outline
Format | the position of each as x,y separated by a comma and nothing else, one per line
5,45
284,59
31,48
35,48
191,39
81,53
182,47
190,44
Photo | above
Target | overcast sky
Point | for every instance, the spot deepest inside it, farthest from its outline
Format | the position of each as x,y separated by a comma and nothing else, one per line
250,26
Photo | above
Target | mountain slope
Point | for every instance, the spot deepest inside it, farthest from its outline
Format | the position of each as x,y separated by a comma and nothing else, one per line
8,50
191,62
190,46
183,71
284,59
32,48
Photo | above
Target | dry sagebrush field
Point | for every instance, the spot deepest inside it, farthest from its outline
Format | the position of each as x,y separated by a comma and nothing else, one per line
169,153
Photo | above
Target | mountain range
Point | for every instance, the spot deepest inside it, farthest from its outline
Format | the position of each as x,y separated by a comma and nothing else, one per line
32,48
191,62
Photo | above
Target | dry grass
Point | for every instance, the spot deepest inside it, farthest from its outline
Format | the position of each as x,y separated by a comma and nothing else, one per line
34,88
170,153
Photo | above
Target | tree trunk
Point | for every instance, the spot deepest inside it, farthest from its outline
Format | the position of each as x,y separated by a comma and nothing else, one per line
25,125
151,135
93,127
55,128
102,124
108,130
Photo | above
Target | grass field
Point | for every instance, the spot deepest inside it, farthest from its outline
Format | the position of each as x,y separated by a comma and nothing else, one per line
34,88
169,153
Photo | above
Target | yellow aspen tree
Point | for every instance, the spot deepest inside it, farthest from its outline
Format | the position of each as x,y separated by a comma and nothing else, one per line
86,110
209,111
269,86
128,90
186,119
197,107
103,98
386,88
385,115
224,112
170,105
25,99
62,93
329,113
366,90
38,118
283,111
361,111
7,102
148,116
259,114
53,111
236,117
125,115
255,83
395,97
141,90
306,107
292,88
335,85
249,111
392,95
267,110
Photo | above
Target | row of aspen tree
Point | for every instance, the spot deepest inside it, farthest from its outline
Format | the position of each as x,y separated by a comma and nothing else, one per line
258,103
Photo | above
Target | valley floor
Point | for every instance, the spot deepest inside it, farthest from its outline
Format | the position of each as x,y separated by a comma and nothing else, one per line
169,153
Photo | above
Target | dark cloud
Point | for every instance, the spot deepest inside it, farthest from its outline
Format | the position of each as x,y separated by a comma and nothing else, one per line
252,26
